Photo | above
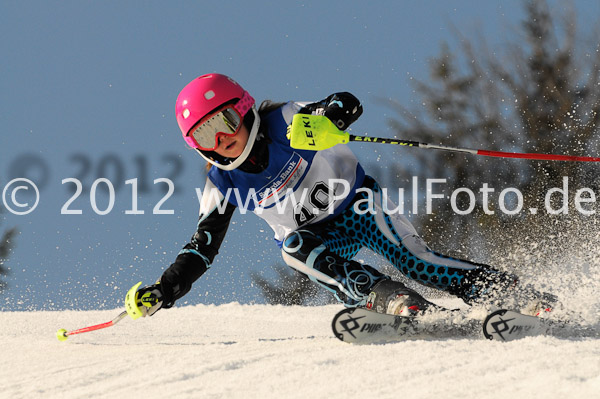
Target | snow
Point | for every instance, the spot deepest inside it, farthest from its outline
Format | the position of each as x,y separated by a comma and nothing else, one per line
264,351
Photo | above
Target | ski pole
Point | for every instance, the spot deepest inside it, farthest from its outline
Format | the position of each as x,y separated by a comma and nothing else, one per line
317,132
63,334
488,153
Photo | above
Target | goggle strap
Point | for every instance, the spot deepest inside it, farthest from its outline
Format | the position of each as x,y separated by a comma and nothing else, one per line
245,103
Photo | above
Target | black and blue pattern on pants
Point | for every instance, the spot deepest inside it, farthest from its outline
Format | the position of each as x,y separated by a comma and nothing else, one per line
324,252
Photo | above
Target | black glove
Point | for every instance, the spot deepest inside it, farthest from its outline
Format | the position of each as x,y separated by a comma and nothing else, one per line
342,109
149,299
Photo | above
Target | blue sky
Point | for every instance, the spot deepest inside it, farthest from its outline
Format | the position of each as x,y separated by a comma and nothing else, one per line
89,88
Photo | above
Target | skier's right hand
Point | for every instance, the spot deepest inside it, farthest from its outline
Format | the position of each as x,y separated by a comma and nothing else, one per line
342,109
144,301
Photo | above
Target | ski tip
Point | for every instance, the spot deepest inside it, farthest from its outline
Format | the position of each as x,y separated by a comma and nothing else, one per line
486,323
508,325
339,335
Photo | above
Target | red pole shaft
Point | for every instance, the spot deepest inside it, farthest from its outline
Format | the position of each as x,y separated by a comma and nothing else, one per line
98,326
91,328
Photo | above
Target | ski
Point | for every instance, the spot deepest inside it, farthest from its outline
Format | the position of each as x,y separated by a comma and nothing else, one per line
363,326
359,325
507,325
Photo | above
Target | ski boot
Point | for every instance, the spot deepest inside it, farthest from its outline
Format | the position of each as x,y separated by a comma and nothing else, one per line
540,304
393,297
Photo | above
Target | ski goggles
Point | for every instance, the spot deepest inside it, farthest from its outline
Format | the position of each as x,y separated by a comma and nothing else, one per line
226,121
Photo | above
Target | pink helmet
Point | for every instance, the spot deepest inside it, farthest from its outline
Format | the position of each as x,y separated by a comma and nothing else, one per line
206,94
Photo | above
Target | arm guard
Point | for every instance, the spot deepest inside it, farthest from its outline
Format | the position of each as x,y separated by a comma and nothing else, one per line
196,256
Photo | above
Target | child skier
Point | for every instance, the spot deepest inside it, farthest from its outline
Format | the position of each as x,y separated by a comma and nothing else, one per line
318,229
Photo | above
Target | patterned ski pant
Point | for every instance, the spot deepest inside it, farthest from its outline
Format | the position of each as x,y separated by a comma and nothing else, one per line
324,252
